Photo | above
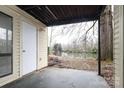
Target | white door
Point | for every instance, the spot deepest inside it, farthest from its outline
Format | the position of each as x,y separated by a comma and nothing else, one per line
29,48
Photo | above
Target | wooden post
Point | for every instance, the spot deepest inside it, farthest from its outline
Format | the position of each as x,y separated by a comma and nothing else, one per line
99,49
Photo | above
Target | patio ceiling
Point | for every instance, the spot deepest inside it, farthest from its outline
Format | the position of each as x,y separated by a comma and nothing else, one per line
52,15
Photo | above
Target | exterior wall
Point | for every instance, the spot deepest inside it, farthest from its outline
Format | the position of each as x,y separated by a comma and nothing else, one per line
43,57
18,17
118,45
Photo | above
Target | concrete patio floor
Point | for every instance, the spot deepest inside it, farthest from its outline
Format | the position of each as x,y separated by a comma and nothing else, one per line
59,78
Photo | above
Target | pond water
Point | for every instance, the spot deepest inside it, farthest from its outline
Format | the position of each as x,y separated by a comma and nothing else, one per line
80,55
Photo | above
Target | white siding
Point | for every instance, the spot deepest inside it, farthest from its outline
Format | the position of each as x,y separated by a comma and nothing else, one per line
43,58
18,17
16,46
118,45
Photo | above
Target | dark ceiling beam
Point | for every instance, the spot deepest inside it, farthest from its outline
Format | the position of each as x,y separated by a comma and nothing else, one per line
50,16
37,17
51,12
44,12
73,20
30,7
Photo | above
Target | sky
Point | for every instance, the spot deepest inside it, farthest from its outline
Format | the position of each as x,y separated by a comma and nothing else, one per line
60,36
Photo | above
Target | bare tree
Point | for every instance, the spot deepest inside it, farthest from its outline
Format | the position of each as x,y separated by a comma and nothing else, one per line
81,42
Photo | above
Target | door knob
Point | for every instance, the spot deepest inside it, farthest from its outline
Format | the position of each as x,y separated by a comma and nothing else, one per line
23,51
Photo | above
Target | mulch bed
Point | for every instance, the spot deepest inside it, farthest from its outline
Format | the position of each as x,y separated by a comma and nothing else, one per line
108,73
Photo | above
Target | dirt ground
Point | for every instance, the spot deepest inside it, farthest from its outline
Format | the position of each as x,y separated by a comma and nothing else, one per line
90,65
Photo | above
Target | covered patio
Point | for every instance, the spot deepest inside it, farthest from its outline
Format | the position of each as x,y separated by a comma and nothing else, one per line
49,77
53,15
60,78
